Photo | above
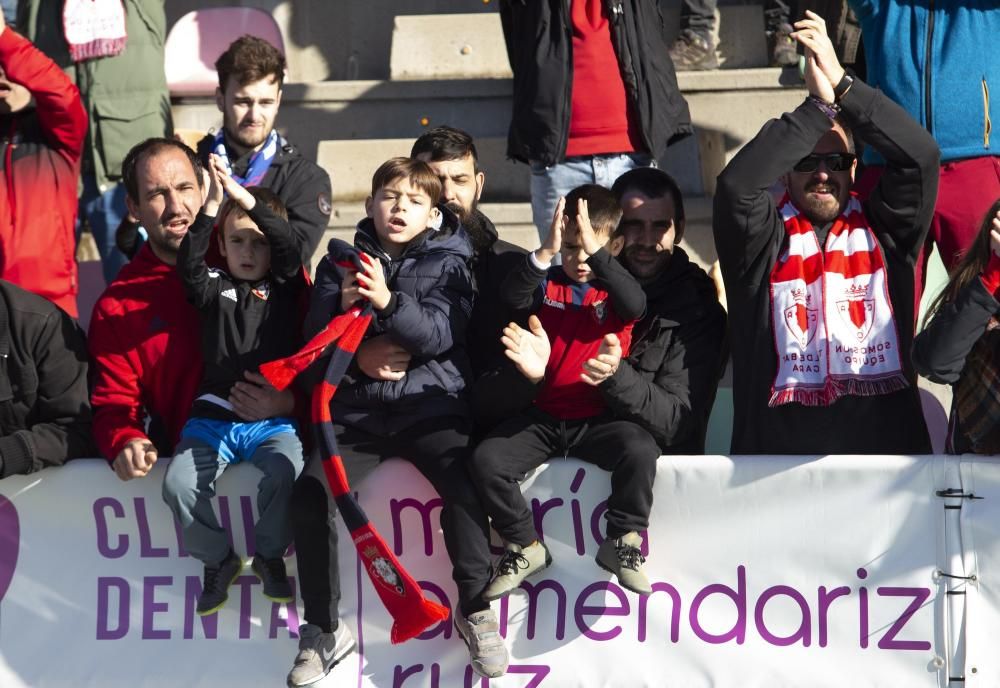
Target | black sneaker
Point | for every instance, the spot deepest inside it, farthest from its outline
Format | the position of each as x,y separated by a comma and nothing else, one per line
693,51
784,50
272,574
215,587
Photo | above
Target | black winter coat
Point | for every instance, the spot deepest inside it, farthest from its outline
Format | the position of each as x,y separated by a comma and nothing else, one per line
44,401
539,45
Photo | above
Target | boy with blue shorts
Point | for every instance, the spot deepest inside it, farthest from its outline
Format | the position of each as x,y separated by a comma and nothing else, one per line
247,314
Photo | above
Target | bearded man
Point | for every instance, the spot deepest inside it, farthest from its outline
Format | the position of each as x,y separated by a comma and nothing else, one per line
820,286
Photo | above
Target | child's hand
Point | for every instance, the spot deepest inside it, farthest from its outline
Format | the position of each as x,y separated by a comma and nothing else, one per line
349,294
588,239
528,349
553,242
609,356
995,235
213,198
230,185
371,282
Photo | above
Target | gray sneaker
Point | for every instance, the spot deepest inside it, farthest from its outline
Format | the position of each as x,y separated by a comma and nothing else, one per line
621,557
481,633
516,564
318,653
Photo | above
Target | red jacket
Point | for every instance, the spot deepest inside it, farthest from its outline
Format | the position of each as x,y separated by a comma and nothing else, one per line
42,148
145,347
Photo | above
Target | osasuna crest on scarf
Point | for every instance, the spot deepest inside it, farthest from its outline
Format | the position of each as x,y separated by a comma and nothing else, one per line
601,311
857,311
383,572
801,320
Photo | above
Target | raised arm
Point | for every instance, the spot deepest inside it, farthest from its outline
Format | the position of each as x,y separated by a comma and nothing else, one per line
200,289
627,296
57,100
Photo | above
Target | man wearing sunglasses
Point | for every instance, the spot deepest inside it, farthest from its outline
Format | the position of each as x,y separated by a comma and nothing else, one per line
820,285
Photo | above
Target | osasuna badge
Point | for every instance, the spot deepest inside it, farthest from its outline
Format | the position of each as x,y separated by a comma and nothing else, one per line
383,572
858,314
801,322
262,291
601,311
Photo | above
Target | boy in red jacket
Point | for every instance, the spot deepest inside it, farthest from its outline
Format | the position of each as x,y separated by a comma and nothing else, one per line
587,306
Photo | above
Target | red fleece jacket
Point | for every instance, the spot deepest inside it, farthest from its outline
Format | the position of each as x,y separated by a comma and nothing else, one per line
144,344
42,148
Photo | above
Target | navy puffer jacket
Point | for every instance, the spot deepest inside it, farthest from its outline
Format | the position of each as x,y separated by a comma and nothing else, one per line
432,293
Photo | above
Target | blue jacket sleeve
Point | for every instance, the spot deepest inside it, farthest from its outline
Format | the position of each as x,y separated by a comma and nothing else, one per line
437,321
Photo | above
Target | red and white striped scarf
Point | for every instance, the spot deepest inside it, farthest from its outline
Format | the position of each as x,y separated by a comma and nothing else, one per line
94,28
834,329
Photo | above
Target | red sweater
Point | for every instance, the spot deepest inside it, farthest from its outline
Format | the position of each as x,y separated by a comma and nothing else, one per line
600,121
146,353
42,149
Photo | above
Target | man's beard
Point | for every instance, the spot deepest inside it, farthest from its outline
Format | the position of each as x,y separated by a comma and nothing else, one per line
816,211
475,225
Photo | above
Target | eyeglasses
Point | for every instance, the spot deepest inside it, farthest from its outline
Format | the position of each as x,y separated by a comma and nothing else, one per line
835,162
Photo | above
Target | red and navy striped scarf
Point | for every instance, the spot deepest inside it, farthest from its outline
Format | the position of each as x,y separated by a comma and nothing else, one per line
399,592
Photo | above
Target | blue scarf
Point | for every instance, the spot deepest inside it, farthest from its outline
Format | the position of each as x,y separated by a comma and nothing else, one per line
260,161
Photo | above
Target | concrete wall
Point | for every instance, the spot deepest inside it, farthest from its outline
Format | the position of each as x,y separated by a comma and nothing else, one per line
350,39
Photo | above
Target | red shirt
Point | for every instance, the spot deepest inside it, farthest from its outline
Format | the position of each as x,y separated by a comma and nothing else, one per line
600,121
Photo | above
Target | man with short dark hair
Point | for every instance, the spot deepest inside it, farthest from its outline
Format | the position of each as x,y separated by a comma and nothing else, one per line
451,153
144,335
820,286
251,74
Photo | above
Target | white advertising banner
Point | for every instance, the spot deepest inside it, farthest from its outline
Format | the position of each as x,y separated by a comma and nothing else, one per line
767,571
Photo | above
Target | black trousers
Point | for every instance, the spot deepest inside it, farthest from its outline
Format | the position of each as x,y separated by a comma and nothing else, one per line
439,450
524,442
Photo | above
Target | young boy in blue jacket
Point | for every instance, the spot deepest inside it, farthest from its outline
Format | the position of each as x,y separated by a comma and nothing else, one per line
417,278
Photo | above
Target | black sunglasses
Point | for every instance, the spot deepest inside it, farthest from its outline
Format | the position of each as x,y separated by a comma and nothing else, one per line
835,162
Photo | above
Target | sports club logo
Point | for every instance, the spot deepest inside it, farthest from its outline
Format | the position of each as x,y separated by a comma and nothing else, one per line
801,320
857,312
383,572
10,540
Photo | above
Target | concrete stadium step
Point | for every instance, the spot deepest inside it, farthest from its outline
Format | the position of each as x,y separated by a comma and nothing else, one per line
473,44
728,107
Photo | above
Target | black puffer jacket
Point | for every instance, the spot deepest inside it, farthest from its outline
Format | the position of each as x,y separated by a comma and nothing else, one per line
428,315
44,402
539,36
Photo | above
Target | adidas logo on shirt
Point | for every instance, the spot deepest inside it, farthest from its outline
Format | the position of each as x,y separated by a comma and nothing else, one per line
229,294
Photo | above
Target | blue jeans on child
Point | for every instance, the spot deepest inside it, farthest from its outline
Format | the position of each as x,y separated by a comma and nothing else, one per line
548,183
206,448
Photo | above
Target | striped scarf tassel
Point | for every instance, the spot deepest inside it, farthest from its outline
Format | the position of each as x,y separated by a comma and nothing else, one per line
412,613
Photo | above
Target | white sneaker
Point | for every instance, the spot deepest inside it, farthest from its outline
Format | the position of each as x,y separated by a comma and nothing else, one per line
481,633
318,653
